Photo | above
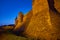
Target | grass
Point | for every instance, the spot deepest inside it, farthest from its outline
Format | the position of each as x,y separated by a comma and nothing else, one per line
10,36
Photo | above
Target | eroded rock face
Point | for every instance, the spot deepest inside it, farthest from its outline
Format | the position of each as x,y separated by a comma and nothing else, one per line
27,18
18,21
44,24
22,21
39,5
40,21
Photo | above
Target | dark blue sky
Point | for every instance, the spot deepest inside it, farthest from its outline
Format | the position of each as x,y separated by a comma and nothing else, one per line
9,9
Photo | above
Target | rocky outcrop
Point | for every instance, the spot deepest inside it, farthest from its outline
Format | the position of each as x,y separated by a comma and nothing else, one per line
39,5
27,18
18,21
42,22
22,25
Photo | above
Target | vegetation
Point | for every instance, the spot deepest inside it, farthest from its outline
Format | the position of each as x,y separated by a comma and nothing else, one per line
10,36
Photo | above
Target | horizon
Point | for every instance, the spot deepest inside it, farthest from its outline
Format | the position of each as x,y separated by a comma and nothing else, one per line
9,10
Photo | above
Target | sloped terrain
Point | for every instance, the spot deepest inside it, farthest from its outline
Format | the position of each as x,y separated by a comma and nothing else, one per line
10,36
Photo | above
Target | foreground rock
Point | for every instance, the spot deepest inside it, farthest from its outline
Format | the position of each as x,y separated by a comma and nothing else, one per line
42,22
45,22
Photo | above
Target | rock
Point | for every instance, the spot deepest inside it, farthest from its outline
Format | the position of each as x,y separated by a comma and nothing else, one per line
57,5
39,5
27,18
44,24
18,21
20,27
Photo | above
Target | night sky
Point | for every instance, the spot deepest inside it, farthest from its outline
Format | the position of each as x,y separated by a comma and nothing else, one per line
9,9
